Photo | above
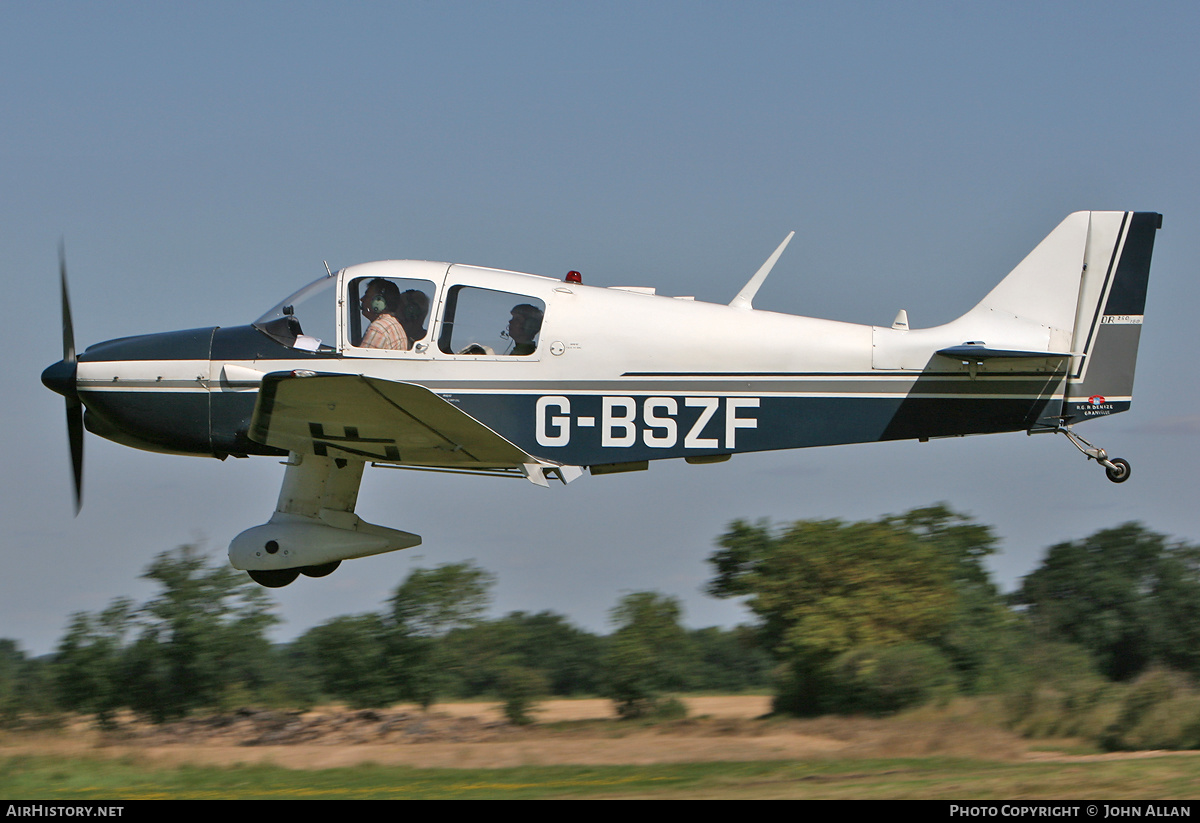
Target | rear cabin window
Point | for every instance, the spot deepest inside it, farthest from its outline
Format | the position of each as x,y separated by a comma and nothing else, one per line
486,322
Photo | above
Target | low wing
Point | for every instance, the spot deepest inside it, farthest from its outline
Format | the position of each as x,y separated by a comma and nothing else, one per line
366,418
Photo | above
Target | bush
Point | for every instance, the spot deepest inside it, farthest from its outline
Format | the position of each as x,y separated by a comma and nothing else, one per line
1160,710
631,680
801,689
520,688
882,681
1048,711
670,708
1056,691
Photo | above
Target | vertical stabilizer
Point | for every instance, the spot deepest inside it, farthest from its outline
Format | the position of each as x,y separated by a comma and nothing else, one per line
1108,320
1042,292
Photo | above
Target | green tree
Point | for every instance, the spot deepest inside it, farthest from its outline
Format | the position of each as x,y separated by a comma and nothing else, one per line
25,687
821,589
520,689
884,680
824,587
630,680
426,606
982,641
12,659
89,666
477,656
648,653
431,602
567,656
348,657
203,637
727,660
1129,596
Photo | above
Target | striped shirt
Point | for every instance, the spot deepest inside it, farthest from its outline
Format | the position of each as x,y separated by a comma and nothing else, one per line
385,332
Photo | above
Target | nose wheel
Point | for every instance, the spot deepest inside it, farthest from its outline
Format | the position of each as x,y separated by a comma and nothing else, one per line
1116,468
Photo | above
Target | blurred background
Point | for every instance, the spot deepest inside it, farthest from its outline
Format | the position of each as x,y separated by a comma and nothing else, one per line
201,163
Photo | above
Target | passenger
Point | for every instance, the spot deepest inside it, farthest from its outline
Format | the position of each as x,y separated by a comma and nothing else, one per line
414,309
379,304
524,326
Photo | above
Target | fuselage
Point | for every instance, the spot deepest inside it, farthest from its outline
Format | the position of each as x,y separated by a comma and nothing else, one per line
618,376
436,365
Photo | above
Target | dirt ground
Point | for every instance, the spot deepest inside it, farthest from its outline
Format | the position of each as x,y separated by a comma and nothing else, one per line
475,735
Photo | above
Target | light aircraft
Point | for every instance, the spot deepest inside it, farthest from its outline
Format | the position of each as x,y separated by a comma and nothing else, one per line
602,379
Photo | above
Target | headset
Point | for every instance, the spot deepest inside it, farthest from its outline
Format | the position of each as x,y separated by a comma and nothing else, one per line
530,318
411,302
380,302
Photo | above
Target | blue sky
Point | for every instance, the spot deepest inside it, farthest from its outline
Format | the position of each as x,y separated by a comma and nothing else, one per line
202,161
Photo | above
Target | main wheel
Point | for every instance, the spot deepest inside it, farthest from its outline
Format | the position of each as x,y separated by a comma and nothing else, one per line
1119,471
273,578
321,569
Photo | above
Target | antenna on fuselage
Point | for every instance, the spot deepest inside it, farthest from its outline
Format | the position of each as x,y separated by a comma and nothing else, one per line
745,297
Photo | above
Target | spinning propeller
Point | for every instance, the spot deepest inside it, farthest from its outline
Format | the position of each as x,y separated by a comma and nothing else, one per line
60,378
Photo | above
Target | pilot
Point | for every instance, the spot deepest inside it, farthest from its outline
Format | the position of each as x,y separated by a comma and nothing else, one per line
524,326
379,304
414,308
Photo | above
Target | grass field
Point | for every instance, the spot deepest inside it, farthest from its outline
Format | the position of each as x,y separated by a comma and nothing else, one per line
725,750
1151,778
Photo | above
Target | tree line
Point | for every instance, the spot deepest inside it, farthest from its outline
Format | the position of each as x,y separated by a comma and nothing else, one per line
201,644
863,617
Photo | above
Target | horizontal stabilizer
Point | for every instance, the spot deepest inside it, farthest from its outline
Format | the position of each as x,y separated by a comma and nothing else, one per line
970,351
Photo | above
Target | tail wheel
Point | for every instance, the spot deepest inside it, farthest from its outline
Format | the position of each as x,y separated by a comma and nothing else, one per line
273,578
1119,471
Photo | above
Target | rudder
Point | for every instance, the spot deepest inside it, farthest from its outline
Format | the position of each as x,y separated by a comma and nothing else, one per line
1108,323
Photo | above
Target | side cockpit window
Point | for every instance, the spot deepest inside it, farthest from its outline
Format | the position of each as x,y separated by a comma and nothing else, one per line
389,312
486,322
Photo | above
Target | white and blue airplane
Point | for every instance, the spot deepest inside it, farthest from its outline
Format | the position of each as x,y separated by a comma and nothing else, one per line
447,367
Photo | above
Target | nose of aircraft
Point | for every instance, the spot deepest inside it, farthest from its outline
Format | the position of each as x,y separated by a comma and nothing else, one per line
60,378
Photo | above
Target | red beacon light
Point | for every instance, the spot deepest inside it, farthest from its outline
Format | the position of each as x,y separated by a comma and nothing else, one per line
573,277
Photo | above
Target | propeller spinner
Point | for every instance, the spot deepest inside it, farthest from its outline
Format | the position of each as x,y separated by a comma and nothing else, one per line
60,378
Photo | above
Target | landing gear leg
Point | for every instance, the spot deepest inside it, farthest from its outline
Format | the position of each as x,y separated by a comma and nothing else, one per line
1116,468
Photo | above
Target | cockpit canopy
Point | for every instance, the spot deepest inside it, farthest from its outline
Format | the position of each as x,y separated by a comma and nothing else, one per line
304,319
430,309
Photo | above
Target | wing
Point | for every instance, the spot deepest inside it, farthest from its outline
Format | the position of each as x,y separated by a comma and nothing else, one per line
366,418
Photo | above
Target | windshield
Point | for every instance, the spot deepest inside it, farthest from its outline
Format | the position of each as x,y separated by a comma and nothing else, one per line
304,319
